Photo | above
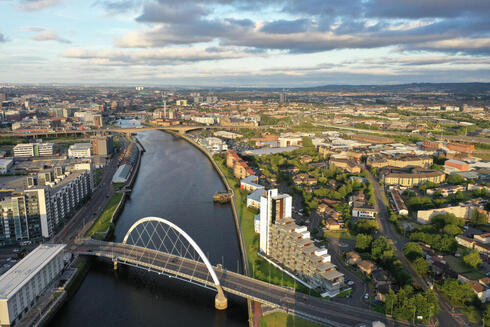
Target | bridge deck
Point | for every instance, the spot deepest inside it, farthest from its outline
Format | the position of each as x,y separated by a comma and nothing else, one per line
319,310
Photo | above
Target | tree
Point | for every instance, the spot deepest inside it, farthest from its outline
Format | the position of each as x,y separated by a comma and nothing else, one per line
457,292
478,218
381,250
455,179
452,230
486,316
421,266
473,259
363,241
412,251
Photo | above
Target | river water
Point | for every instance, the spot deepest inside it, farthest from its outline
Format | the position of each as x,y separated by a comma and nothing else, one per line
176,182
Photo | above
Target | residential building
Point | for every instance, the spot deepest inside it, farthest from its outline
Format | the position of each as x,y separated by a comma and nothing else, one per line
80,150
380,161
349,165
290,246
352,258
361,208
483,238
249,184
253,199
214,144
21,285
411,176
425,216
401,208
33,149
240,167
273,206
366,266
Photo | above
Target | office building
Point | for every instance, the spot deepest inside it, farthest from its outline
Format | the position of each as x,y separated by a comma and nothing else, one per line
33,149
273,206
102,145
5,165
80,150
23,283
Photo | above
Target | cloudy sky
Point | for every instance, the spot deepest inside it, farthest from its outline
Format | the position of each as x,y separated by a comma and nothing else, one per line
250,43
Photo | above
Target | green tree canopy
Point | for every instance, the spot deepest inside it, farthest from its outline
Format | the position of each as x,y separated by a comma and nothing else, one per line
412,251
421,266
455,179
363,242
473,259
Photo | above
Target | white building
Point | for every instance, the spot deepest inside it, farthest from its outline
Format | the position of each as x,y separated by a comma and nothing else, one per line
273,206
5,165
214,144
33,149
80,150
20,285
227,135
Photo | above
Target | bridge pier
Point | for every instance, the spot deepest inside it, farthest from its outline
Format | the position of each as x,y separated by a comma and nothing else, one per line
115,265
220,301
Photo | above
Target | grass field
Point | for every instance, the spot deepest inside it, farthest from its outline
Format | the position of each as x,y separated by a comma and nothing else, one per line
259,268
343,235
280,319
104,221
458,266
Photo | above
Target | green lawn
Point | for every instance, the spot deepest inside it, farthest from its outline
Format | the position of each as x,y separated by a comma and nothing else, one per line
259,268
458,266
104,221
343,235
280,319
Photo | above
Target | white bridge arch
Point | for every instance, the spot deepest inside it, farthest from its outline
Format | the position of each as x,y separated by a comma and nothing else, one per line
181,232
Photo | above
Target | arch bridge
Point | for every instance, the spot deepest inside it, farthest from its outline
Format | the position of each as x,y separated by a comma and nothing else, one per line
160,246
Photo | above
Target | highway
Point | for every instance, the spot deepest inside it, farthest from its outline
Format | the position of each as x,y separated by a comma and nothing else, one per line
445,317
322,311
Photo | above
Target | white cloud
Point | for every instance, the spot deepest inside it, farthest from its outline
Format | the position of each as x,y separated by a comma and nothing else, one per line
36,5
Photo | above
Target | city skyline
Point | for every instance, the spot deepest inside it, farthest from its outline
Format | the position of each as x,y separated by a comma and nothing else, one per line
236,43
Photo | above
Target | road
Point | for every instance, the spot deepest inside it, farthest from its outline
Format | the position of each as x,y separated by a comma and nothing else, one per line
456,138
91,210
445,317
328,312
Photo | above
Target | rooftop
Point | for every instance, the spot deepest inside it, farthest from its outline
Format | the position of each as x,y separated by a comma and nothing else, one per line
23,271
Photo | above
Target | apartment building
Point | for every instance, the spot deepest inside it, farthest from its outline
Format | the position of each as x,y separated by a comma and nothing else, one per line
411,176
240,167
21,285
291,246
349,165
273,206
33,149
380,161
35,213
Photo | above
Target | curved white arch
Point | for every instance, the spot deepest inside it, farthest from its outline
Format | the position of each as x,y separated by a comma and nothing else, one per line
181,232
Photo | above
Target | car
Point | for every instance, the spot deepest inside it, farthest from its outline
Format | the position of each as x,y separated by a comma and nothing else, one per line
366,296
350,283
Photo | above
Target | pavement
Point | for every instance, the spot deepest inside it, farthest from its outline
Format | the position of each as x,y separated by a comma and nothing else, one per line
445,316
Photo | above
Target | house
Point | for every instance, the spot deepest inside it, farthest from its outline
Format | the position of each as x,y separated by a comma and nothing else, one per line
304,159
332,224
380,278
349,165
465,241
352,257
322,207
366,266
483,238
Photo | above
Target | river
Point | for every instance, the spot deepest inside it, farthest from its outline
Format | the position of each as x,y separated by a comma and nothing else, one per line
175,181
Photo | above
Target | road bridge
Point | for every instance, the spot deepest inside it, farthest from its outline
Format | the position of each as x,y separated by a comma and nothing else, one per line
181,129
157,245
